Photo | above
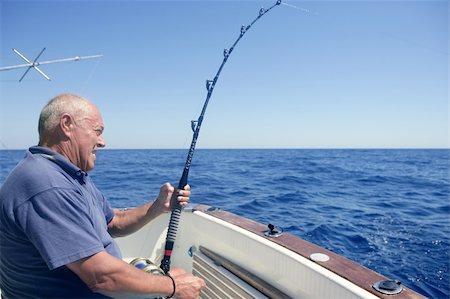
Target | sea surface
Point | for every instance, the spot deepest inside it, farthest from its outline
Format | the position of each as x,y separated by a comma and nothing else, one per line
386,209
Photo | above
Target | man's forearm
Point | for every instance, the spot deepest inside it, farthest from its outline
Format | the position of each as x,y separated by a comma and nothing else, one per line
129,221
111,276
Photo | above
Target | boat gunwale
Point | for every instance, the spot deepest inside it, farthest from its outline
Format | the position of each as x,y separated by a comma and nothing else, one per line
356,273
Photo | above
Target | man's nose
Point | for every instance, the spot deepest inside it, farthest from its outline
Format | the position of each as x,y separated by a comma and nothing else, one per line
101,142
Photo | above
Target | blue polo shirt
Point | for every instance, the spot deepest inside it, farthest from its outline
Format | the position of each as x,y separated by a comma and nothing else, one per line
51,214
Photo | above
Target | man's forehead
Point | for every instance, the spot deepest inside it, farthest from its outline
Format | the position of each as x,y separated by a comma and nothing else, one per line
95,121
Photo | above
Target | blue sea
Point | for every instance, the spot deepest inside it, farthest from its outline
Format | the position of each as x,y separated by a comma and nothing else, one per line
386,209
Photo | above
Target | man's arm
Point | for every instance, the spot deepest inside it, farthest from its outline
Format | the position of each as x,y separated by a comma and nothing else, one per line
110,276
129,221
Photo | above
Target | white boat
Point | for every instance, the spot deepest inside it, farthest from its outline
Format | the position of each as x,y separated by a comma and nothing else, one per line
240,258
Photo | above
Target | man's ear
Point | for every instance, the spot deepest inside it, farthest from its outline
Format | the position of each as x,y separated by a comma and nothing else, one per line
67,124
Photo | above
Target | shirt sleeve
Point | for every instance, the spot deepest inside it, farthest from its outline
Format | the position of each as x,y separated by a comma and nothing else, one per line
62,225
107,209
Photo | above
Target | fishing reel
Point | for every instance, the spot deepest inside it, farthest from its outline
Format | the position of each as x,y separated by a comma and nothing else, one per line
147,265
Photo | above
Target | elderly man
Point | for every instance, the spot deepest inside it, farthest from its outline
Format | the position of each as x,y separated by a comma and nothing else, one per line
56,227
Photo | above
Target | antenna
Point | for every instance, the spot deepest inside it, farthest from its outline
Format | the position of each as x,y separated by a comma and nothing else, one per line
34,64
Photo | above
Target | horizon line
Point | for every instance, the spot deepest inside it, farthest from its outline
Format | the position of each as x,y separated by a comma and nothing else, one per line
261,148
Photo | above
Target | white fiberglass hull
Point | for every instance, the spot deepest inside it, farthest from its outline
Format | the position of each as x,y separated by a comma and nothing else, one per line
262,266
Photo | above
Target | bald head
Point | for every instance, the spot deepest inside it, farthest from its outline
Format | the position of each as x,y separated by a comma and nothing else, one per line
65,103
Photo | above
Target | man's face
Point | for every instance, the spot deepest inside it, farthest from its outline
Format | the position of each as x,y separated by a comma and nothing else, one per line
87,139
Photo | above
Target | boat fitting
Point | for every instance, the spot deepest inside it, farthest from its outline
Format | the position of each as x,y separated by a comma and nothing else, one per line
319,257
192,250
274,231
388,287
212,209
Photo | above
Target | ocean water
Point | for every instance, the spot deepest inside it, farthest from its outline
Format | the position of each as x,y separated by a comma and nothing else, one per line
386,209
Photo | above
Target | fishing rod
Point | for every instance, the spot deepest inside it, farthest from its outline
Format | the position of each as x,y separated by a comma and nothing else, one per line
196,125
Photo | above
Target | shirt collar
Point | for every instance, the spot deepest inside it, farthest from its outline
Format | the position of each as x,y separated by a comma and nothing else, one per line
59,159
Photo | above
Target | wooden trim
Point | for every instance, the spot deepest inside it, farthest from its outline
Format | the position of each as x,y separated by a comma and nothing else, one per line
350,270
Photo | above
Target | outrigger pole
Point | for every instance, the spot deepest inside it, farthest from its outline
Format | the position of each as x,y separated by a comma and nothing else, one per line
196,125
34,64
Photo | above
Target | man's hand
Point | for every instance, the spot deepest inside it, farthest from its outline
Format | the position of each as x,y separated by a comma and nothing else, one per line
168,198
186,285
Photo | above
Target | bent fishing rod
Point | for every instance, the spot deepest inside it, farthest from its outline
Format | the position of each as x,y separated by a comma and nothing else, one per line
196,125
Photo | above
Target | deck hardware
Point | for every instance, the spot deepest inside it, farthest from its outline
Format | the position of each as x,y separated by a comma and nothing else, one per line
388,287
319,257
274,231
192,250
212,209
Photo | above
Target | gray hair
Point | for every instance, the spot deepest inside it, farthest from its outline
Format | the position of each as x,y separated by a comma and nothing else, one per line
56,107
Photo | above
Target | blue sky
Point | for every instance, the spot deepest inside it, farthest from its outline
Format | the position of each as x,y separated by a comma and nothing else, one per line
310,74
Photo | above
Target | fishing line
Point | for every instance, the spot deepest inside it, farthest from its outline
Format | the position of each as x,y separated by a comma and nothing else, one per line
94,69
296,7
195,126
2,143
